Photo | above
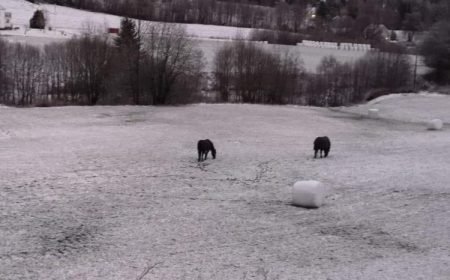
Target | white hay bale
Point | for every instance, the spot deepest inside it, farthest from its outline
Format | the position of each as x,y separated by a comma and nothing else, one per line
374,113
435,124
308,194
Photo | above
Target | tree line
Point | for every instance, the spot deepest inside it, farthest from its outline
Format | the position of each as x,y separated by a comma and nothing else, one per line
159,66
349,18
244,72
156,64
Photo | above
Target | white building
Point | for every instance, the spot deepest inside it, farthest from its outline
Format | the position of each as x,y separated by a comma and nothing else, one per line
5,19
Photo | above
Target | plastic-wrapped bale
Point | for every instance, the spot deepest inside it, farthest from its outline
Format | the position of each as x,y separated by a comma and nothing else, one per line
308,194
373,113
435,124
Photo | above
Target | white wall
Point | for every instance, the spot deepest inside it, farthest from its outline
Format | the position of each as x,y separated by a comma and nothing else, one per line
2,19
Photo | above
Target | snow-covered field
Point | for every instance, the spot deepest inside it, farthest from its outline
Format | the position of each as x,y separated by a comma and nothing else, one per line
390,107
74,21
68,22
114,192
309,56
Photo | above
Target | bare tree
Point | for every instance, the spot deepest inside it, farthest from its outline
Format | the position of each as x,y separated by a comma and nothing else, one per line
90,60
4,49
57,73
285,80
223,71
337,84
170,57
255,75
26,73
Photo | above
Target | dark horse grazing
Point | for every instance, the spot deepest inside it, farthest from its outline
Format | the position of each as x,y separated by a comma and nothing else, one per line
203,147
322,144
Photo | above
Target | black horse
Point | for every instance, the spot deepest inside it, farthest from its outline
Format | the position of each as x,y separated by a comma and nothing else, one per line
203,147
322,144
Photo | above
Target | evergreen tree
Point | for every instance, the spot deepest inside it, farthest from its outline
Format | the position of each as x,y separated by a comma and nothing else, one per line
38,20
436,50
322,10
128,44
128,36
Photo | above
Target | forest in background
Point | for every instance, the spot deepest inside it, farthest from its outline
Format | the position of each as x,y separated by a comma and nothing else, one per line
343,18
165,67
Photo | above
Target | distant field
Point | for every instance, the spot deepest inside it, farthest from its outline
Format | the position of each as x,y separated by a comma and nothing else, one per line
76,21
310,56
73,21
107,192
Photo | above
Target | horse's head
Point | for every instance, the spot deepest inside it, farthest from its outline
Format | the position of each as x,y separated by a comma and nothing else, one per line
213,152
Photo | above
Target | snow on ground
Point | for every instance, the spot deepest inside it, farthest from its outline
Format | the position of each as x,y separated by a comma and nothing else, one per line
309,56
67,22
74,21
392,107
107,192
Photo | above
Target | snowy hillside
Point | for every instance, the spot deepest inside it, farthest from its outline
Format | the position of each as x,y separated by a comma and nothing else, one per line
117,192
393,107
74,21
66,22
311,57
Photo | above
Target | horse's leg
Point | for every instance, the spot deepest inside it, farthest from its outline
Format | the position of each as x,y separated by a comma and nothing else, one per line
315,153
199,155
206,154
321,153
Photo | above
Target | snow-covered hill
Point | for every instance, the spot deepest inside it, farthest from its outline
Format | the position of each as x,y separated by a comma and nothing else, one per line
67,22
109,192
408,107
73,21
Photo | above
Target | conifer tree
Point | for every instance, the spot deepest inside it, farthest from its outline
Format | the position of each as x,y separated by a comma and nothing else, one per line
38,20
128,44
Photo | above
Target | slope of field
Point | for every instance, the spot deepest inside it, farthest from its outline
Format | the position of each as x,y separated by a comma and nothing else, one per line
392,107
67,22
117,192
74,21
309,57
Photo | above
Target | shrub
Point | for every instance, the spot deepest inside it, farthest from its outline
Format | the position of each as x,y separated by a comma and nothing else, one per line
436,50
